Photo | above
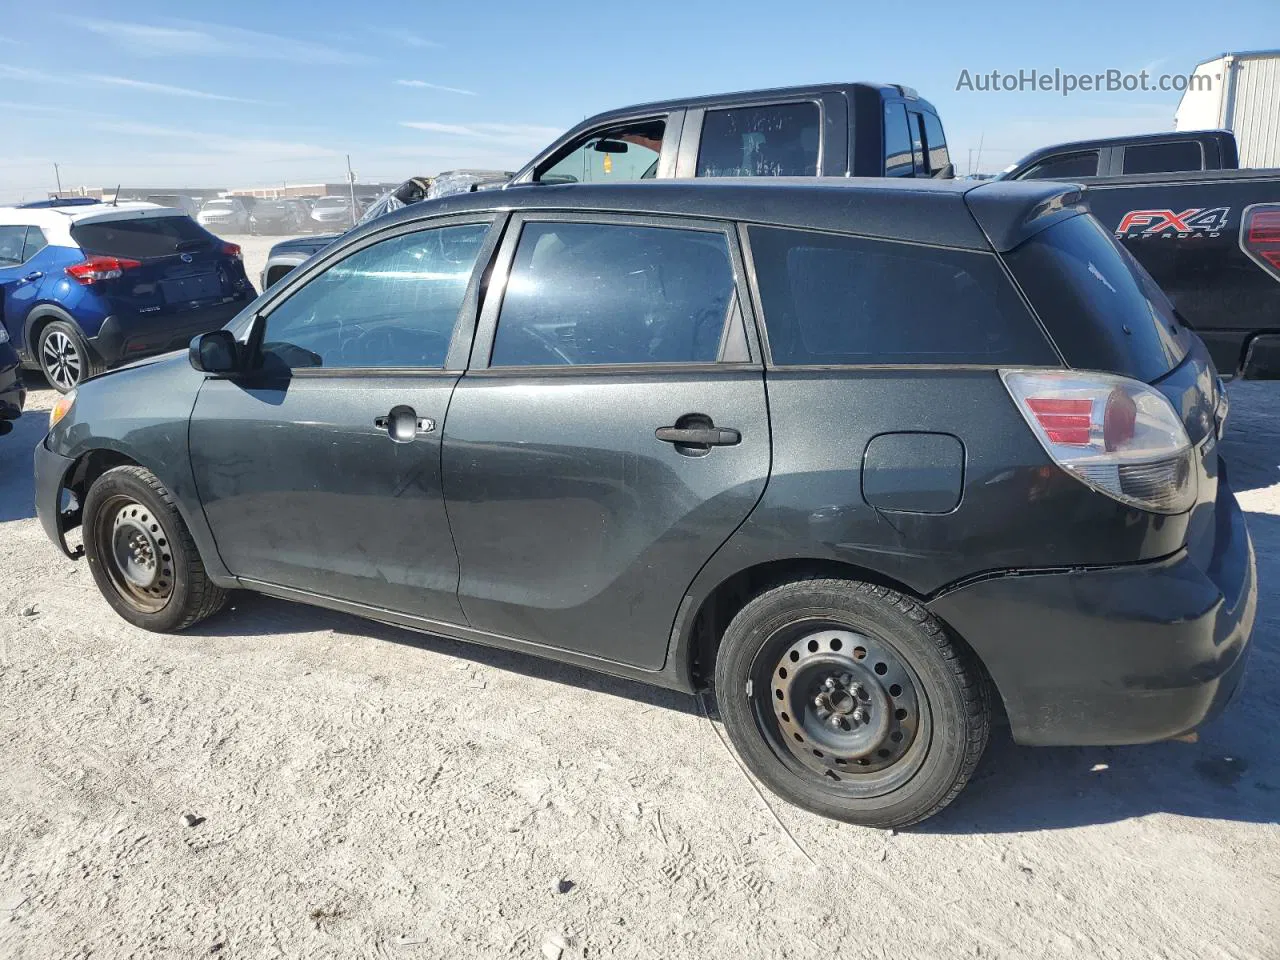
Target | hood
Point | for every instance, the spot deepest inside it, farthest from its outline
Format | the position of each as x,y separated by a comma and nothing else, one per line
303,245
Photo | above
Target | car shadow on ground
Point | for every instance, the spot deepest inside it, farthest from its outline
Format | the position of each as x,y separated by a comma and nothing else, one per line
253,615
1251,446
17,479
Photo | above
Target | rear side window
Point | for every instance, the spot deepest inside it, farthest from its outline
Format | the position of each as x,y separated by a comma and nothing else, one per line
1066,166
897,142
1164,157
142,238
937,142
11,240
598,293
831,299
35,243
1101,307
779,140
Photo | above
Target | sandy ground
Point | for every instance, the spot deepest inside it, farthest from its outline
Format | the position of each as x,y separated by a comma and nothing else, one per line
358,791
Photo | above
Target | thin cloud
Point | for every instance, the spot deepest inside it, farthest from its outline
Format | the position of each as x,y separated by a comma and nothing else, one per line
517,132
422,84
404,38
192,38
81,79
165,88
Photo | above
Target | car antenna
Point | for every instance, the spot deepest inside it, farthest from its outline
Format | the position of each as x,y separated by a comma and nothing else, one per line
115,201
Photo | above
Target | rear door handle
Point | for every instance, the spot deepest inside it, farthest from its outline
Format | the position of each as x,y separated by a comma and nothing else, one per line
402,424
699,436
36,275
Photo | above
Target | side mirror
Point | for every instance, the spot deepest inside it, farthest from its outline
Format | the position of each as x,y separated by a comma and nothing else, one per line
610,146
947,172
215,352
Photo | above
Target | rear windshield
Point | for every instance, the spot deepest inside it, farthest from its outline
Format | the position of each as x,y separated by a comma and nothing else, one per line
141,239
1098,303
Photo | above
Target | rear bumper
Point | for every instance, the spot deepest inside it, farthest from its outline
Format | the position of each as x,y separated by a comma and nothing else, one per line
121,338
1130,654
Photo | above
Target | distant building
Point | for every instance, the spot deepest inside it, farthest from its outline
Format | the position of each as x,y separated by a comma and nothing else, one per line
139,193
1238,92
313,190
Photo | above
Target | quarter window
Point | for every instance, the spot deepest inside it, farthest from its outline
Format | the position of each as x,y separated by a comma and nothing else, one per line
780,140
625,152
590,293
35,243
392,304
1164,157
831,299
897,142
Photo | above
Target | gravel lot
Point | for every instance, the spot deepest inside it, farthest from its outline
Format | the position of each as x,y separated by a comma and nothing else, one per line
359,791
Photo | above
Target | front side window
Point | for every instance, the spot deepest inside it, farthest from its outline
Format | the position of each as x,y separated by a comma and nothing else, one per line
936,142
1066,166
392,304
831,299
11,239
591,293
625,152
1164,157
897,142
780,140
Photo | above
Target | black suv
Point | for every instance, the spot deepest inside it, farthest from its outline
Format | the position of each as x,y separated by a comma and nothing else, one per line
859,454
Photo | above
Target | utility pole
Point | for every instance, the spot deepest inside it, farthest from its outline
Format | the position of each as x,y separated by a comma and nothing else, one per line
58,174
981,140
351,183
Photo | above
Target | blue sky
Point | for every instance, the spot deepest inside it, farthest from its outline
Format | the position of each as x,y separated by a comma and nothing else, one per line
237,93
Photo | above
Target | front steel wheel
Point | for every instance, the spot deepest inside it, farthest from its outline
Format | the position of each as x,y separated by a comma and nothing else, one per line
851,700
141,553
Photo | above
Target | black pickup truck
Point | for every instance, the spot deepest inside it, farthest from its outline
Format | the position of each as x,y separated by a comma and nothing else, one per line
1208,233
827,130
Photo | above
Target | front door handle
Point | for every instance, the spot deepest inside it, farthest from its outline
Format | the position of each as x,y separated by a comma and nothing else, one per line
699,436
403,424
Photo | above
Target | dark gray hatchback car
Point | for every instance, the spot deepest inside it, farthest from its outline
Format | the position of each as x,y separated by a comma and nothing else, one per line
859,454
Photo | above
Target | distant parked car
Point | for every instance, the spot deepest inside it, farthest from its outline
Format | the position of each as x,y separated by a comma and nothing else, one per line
84,287
225,215
178,201
275,216
331,213
13,393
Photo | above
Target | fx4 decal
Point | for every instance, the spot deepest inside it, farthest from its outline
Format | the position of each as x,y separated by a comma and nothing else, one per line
1196,222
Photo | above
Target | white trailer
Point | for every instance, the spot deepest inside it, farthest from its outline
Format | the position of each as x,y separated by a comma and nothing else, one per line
1240,92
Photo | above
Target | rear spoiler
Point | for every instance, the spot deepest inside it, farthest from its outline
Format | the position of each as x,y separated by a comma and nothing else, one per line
1012,211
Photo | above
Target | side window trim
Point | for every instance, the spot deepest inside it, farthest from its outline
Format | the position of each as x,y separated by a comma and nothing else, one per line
743,316
691,142
464,328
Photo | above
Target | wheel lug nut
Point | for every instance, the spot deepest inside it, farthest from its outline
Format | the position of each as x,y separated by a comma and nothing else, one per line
829,683
834,721
860,715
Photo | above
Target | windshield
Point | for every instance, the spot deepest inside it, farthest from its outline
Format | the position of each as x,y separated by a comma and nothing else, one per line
1098,303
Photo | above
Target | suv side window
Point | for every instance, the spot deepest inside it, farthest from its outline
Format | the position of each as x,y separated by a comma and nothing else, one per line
392,304
11,239
1065,166
628,151
1164,157
601,293
833,299
936,141
35,243
778,140
897,142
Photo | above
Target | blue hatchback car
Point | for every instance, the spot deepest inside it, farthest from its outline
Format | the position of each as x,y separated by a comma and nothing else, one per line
85,286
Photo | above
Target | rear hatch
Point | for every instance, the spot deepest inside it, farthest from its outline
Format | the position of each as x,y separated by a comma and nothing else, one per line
1105,313
165,264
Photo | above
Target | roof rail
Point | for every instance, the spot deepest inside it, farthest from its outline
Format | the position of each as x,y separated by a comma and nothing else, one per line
58,202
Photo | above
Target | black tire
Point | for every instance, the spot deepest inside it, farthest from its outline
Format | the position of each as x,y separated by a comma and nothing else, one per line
129,512
924,701
65,359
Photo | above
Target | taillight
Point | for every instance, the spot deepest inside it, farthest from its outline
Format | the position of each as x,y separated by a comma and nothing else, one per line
1260,236
231,250
93,269
1118,435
